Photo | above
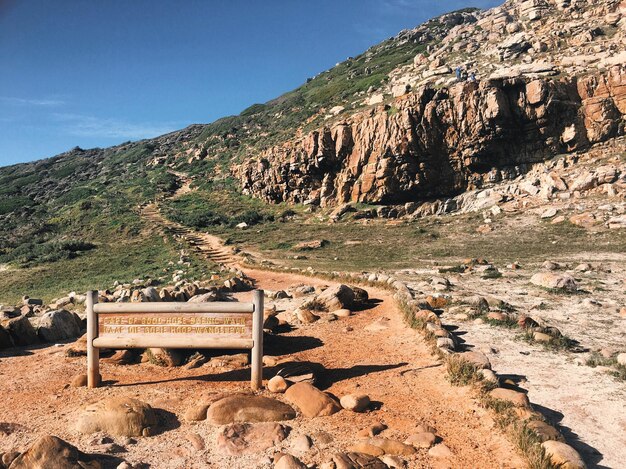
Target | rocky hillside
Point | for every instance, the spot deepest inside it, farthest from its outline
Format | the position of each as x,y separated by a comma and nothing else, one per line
392,125
543,78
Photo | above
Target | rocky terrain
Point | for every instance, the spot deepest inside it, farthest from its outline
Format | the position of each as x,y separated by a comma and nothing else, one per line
438,225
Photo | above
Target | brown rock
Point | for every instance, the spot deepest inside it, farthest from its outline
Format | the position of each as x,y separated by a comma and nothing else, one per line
120,416
544,431
277,384
518,399
287,461
563,456
552,280
248,408
247,438
355,460
20,330
311,401
367,448
79,381
355,402
478,359
196,441
392,446
50,452
421,440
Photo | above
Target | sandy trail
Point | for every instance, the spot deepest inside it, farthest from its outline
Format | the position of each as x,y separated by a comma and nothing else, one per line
392,365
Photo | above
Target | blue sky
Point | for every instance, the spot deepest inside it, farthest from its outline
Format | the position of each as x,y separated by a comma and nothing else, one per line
98,73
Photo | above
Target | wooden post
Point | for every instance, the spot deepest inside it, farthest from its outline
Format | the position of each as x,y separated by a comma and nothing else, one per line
257,337
93,353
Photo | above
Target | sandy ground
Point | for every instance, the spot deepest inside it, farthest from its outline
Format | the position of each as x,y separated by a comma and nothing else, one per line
588,405
393,366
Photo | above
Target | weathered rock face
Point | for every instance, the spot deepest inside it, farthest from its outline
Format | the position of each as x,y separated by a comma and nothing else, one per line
438,143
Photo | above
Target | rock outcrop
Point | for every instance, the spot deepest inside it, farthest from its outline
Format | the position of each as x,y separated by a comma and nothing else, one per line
439,142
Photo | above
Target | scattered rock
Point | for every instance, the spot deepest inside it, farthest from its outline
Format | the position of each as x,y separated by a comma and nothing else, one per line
79,381
56,326
518,399
247,438
555,281
355,402
563,455
120,416
422,440
248,408
277,384
311,401
20,331
287,461
478,359
440,451
337,297
50,452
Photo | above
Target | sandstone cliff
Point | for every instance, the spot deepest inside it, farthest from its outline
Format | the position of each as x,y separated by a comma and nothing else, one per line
435,143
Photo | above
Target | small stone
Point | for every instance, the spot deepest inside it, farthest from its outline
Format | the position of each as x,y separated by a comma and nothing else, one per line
422,440
392,461
621,358
196,441
440,451
541,337
355,402
392,446
489,376
301,444
247,438
277,384
342,313
287,461
79,381
367,448
372,430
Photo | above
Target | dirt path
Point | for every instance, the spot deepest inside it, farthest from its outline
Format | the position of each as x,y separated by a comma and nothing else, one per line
392,365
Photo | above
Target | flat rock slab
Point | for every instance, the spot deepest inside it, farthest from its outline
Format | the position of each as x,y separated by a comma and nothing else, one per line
248,408
50,452
119,416
518,399
248,438
311,401
356,460
554,281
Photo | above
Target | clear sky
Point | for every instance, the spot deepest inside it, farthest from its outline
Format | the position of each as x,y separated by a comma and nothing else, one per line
101,72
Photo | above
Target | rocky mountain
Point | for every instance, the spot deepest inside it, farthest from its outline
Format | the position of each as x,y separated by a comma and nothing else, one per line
544,78
394,125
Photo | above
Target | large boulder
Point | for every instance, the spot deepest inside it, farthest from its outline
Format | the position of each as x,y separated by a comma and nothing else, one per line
21,330
311,401
247,438
562,456
555,281
50,452
248,408
120,416
337,297
5,338
56,326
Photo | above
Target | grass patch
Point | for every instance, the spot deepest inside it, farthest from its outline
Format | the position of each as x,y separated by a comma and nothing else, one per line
461,372
99,268
556,343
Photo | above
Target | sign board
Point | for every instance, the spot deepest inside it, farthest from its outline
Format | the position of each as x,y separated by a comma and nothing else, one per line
228,325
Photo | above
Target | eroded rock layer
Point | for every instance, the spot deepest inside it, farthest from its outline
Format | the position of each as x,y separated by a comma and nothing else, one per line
439,142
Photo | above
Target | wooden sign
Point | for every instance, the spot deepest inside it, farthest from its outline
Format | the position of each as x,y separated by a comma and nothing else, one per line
174,325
